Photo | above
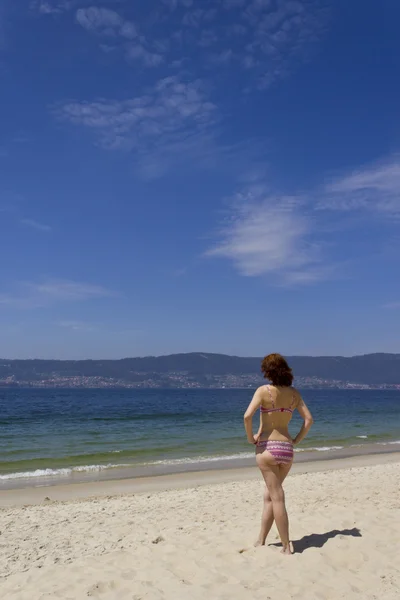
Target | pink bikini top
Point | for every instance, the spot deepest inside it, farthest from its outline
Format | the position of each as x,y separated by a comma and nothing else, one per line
274,409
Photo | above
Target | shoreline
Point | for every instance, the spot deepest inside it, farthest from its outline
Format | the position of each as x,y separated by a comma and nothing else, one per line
151,483
176,466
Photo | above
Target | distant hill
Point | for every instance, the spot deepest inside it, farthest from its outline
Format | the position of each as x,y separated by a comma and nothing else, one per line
203,367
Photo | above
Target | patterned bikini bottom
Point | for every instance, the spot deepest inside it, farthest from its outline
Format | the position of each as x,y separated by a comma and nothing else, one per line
281,451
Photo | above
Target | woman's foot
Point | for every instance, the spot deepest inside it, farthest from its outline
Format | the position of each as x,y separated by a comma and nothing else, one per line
287,549
259,543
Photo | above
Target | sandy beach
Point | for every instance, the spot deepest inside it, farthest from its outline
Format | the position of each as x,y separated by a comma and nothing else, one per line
191,536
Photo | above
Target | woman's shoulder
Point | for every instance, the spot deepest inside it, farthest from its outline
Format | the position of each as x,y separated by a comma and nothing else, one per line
296,394
263,391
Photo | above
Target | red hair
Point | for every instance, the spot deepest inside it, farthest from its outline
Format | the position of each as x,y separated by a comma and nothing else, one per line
277,370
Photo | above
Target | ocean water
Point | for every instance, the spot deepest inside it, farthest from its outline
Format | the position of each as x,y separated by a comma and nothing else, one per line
61,432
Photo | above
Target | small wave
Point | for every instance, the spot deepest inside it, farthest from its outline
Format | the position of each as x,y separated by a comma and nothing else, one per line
68,471
319,449
65,472
362,437
201,459
238,456
390,443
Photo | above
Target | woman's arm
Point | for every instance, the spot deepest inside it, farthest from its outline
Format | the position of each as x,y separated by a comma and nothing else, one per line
248,416
259,432
308,421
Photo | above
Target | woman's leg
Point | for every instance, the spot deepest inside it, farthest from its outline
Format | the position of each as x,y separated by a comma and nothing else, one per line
273,476
267,517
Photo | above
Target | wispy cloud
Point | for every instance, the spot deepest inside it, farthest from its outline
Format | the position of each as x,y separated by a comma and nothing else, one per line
57,7
52,7
223,58
268,37
134,46
138,51
199,16
173,4
76,325
173,119
265,39
283,34
105,22
288,237
35,225
42,294
374,188
229,4
264,234
70,290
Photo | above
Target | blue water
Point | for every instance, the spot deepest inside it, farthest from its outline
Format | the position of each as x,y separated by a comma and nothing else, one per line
57,431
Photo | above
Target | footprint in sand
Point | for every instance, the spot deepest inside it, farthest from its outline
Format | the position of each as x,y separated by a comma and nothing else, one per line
100,588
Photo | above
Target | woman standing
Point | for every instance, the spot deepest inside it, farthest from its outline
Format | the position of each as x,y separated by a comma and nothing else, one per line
274,445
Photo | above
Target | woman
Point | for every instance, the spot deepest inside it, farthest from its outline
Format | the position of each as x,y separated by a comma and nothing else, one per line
274,445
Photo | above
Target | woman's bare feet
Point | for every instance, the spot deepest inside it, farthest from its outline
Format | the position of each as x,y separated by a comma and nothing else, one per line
259,543
288,549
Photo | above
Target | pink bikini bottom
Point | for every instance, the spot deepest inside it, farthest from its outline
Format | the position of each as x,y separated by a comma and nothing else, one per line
281,451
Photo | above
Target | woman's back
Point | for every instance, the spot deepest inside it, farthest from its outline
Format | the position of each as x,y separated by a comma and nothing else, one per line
277,406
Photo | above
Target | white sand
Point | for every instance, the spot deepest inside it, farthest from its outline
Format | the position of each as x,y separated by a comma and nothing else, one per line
103,547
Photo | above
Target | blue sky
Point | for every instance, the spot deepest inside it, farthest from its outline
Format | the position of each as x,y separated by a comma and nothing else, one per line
178,175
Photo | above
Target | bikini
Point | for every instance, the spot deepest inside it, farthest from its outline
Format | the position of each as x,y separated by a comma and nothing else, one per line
281,451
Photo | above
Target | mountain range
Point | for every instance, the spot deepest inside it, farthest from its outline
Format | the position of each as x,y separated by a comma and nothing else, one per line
202,368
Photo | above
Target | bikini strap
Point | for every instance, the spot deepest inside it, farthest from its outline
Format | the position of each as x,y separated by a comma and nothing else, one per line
270,396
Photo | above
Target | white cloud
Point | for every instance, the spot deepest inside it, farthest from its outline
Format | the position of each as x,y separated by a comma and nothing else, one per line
35,225
76,325
207,38
233,3
70,290
128,30
269,235
197,17
138,51
174,4
171,122
56,7
52,7
38,295
237,29
105,22
374,188
283,34
286,236
268,37
223,58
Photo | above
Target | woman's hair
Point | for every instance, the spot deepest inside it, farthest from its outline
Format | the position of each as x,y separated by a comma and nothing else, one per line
276,369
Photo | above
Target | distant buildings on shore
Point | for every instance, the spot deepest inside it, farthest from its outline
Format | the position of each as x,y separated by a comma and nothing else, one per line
181,380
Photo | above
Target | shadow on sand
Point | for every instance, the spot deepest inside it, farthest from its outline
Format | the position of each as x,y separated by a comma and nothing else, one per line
317,540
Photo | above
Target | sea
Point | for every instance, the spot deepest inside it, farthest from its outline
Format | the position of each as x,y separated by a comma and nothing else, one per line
66,435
